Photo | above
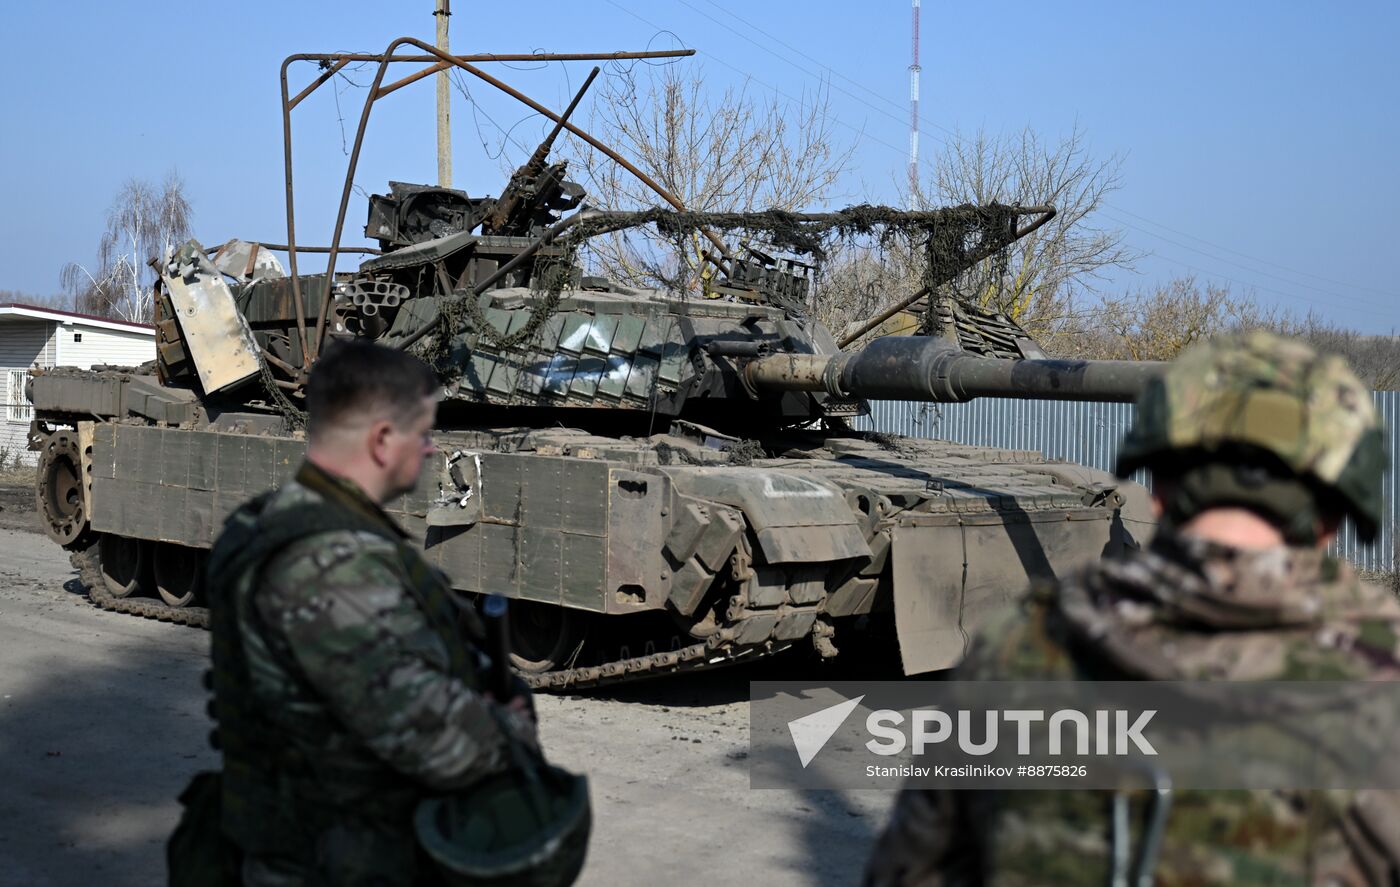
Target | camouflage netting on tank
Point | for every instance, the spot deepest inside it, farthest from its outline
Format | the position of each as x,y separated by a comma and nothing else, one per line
952,230
550,280
669,455
887,442
742,452
458,312
952,237
294,415
952,248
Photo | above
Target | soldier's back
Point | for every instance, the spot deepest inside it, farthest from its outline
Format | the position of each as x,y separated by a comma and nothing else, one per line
1184,610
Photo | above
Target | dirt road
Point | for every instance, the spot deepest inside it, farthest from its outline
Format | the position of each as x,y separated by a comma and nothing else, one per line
17,502
102,721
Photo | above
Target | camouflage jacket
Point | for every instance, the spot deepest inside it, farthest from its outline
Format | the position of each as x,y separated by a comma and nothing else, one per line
1184,610
346,688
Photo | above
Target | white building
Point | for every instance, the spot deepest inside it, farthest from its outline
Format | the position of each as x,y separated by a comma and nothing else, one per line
43,337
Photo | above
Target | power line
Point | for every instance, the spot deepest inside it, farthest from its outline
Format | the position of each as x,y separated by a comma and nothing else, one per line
1357,299
862,87
476,108
898,118
1330,280
861,133
1247,285
920,121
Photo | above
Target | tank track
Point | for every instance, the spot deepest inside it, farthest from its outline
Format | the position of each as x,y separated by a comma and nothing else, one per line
695,657
90,574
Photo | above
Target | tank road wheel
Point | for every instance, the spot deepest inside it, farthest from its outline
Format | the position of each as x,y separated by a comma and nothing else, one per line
179,573
125,564
542,636
59,491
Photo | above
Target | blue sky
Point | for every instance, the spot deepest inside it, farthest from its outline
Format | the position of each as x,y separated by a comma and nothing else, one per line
1259,140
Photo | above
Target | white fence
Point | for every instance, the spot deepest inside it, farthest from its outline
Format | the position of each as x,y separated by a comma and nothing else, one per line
1090,433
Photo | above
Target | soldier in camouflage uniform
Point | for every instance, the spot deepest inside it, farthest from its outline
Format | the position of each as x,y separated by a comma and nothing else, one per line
348,685
1258,448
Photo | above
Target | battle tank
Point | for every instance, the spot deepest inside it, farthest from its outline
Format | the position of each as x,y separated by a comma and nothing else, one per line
658,481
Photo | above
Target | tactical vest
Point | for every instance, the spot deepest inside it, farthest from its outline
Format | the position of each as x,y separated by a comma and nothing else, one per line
275,800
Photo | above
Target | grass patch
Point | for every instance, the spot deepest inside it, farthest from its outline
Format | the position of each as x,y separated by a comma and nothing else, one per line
15,467
21,477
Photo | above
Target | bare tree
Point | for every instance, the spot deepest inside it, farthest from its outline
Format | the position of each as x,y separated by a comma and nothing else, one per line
1158,323
1042,274
1039,280
1376,359
143,223
57,301
727,154
859,280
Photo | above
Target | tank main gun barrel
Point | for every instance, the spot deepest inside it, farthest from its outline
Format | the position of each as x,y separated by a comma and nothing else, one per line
933,369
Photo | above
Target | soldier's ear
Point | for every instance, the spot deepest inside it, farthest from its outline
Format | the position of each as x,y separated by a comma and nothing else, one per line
378,440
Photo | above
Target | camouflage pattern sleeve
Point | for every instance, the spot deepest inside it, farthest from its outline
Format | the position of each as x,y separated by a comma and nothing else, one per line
340,605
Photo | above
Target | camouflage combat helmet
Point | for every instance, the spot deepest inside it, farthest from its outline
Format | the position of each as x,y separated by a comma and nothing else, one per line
524,827
1302,422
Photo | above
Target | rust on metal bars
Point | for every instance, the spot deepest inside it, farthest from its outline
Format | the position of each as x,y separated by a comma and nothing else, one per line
604,149
330,71
279,363
334,62
282,247
291,220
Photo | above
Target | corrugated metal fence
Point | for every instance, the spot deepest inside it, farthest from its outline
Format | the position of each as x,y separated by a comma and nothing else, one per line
1090,433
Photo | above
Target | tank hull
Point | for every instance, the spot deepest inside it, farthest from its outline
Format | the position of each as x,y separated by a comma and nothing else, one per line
649,554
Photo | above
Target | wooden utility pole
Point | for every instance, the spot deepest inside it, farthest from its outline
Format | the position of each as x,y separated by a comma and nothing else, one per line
444,101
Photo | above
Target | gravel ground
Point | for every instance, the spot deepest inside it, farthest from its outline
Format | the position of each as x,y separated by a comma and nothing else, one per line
102,721
17,503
